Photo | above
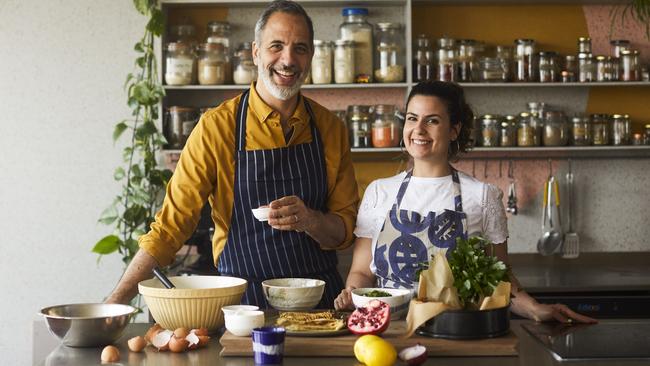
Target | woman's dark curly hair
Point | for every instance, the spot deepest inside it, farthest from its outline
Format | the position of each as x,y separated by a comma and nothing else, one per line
452,95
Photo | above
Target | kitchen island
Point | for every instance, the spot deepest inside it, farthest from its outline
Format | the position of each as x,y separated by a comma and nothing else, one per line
48,351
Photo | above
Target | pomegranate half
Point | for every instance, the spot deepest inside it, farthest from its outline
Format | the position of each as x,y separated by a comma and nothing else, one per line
373,318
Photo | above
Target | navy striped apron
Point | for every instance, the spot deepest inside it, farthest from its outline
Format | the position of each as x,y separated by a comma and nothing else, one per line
408,239
254,250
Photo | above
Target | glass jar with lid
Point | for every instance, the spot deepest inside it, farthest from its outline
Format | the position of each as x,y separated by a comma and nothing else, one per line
389,58
556,130
508,131
603,68
600,131
584,45
547,69
646,134
360,126
245,71
629,65
386,127
580,130
466,60
490,126
617,45
219,32
212,64
504,54
446,58
524,65
537,112
492,70
621,129
321,62
344,61
569,69
355,27
180,64
179,125
527,130
423,59
586,66
185,33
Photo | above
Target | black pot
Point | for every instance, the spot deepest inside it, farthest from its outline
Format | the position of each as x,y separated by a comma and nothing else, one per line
468,324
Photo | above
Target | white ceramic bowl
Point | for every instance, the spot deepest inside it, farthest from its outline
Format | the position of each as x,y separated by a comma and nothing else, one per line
195,302
398,301
293,294
262,213
242,322
231,309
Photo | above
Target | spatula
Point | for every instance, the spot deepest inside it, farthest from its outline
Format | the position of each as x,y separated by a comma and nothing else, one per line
571,247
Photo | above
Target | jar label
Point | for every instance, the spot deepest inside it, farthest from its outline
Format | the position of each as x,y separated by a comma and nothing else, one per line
179,65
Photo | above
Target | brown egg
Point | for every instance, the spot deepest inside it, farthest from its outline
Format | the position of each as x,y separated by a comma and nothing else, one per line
152,332
203,340
200,331
181,332
110,354
178,344
136,344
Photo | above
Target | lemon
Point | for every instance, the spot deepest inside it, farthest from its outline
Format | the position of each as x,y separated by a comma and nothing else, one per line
361,344
374,351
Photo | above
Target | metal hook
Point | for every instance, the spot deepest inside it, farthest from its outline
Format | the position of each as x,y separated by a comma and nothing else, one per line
474,168
550,168
511,169
500,172
485,168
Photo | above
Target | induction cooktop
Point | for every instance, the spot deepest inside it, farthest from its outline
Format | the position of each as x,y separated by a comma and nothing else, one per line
619,339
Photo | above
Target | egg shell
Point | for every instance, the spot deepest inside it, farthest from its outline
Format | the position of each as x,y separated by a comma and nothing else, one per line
110,354
181,332
136,344
178,345
152,332
161,340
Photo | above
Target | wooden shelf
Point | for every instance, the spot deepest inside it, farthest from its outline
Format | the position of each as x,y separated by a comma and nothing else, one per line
306,86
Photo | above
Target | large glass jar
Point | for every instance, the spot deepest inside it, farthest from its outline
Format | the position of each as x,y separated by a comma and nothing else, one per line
586,68
321,63
423,59
466,60
526,130
524,65
570,69
360,126
389,57
490,126
621,129
355,27
556,131
386,127
504,54
580,130
537,112
617,45
547,70
245,71
219,32
508,131
179,64
600,129
212,64
185,33
492,70
446,58
344,62
179,125
630,68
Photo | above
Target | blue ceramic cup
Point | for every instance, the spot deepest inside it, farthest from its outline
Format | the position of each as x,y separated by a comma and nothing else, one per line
268,345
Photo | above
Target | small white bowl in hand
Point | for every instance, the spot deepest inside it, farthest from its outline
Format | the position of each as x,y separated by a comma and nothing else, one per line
242,322
398,301
262,213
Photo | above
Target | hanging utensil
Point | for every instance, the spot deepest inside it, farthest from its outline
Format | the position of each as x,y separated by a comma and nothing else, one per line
571,247
512,190
551,239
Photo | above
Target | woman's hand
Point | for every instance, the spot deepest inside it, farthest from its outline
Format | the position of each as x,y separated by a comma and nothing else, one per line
558,312
344,300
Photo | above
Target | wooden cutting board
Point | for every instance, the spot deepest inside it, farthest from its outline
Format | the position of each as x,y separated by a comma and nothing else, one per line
342,346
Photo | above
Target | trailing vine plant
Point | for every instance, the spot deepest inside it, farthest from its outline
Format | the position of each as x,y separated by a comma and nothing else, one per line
143,183
638,10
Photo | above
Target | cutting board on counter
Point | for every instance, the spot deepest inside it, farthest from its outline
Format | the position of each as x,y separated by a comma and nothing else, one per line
342,346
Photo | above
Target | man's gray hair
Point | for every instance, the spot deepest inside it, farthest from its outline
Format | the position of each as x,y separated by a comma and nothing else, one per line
284,6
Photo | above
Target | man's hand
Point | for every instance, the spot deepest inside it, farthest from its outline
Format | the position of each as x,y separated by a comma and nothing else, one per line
291,214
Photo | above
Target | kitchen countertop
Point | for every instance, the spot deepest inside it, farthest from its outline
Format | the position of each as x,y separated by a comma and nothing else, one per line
49,352
590,272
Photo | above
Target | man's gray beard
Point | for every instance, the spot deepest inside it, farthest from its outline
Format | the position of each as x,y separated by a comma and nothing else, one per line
276,91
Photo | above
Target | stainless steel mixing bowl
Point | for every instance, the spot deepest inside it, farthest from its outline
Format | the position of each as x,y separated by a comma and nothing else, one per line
88,325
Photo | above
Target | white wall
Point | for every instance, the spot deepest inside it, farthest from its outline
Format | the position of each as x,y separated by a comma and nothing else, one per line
62,67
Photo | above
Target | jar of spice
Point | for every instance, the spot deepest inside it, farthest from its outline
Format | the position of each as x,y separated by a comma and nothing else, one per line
504,54
355,27
646,134
621,129
446,57
423,59
526,130
584,45
524,66
586,66
359,125
537,112
490,126
508,131
569,70
617,45
344,62
179,64
466,60
180,123
245,71
219,32
492,70
548,70
389,57
600,129
212,64
321,62
580,130
629,65
556,131
386,127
